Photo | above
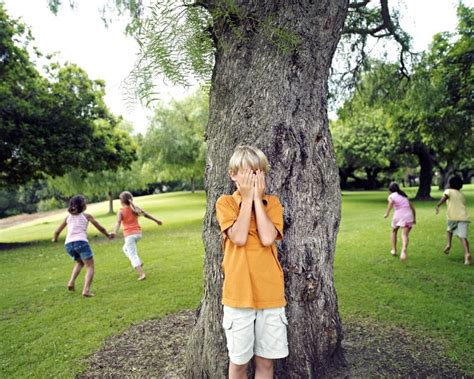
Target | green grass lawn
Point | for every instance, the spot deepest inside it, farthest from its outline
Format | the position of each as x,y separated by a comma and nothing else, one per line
47,331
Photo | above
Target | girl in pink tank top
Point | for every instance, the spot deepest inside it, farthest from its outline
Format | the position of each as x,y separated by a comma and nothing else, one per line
128,215
76,244
404,217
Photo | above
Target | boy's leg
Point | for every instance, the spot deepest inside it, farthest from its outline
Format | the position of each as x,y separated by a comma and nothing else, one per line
238,371
393,240
270,340
239,327
405,232
86,291
451,226
467,252
75,272
263,368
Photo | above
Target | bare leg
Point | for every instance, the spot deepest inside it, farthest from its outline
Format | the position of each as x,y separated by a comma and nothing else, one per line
263,368
405,232
141,273
448,245
237,371
467,252
393,240
86,291
75,273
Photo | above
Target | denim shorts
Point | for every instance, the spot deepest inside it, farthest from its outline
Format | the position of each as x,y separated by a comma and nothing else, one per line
79,250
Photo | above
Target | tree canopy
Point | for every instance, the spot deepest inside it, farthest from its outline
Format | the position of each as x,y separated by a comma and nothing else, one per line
50,124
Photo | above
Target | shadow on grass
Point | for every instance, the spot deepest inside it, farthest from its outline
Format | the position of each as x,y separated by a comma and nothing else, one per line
14,245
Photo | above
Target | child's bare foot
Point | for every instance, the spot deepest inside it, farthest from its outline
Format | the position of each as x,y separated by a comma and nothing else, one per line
393,252
468,260
70,287
88,294
403,256
446,249
142,277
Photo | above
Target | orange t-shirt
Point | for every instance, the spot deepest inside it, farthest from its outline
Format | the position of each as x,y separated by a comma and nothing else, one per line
253,277
130,222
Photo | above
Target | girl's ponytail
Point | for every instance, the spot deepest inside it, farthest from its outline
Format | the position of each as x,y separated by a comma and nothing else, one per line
127,198
137,210
394,187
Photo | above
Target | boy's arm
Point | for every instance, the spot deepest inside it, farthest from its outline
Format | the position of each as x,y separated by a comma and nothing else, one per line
266,230
149,216
389,207
441,202
59,230
99,227
239,231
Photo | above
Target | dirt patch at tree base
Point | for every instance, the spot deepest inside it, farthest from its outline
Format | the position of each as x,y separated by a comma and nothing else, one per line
156,349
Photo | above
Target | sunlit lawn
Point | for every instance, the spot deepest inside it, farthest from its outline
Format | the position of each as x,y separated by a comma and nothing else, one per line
47,332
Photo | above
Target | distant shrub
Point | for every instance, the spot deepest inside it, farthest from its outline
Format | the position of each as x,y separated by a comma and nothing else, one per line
49,205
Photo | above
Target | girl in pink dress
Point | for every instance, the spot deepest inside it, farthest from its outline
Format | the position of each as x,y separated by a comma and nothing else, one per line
404,217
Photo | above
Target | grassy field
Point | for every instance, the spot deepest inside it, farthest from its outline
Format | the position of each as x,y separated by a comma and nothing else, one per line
47,331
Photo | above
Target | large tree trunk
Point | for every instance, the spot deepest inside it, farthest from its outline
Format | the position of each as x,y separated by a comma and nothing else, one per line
277,102
426,172
444,175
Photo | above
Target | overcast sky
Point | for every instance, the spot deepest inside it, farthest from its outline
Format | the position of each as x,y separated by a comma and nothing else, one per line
79,36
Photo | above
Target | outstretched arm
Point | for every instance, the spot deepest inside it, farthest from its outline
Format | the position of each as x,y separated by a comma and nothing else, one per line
117,224
59,230
99,227
414,212
389,207
150,217
441,202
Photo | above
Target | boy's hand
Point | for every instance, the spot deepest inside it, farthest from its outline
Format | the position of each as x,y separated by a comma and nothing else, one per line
437,209
159,222
54,239
111,236
245,185
259,183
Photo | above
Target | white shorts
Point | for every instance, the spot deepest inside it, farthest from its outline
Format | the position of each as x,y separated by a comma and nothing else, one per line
130,249
250,332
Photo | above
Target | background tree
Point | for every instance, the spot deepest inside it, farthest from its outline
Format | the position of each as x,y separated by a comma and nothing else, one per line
363,141
51,125
174,143
269,88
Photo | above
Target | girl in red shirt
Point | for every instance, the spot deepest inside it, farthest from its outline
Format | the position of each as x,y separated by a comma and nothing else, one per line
128,215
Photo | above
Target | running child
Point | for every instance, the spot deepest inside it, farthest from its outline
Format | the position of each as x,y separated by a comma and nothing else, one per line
253,292
458,219
128,215
76,244
404,216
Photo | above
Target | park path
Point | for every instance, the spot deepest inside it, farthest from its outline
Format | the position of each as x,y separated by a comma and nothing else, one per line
155,348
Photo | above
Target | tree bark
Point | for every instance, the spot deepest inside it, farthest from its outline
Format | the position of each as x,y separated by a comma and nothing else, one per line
426,172
111,202
277,102
444,174
371,177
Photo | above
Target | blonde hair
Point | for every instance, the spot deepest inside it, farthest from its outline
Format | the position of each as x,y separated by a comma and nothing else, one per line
248,156
127,198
